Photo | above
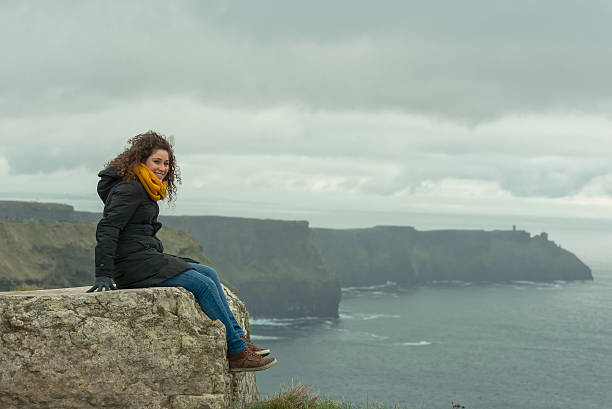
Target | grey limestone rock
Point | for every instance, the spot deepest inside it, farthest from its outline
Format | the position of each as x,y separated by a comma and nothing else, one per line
141,348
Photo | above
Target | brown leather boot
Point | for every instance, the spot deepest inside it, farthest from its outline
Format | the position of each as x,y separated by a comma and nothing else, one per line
247,360
259,351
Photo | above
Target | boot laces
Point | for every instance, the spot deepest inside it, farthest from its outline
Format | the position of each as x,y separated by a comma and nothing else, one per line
250,345
253,354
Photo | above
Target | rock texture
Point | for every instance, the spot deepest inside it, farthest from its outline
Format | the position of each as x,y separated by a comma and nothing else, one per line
142,348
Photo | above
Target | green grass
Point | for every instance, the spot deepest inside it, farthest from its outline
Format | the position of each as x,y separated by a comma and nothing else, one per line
26,287
61,254
298,397
302,397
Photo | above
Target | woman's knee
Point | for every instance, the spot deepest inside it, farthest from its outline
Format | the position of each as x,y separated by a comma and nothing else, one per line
195,282
207,285
206,271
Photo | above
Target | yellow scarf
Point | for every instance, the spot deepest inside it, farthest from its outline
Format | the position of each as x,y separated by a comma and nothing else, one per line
154,187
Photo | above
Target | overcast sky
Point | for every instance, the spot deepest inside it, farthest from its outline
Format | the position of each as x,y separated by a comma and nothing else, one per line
344,113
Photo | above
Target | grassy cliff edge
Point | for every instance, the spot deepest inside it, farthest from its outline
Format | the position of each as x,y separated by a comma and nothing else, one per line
61,254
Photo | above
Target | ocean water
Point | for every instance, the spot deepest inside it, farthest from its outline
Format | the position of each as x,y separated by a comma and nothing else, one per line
494,346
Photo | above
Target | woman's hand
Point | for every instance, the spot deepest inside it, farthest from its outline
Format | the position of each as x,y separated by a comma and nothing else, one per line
103,283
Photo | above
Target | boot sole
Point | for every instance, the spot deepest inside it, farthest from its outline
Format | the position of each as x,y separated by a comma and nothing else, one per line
257,368
262,352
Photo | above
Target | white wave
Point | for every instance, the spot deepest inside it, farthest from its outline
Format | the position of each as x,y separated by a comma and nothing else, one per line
264,338
371,287
550,287
366,317
271,322
525,282
327,324
416,344
451,282
371,335
357,336
341,330
377,316
283,322
538,285
361,335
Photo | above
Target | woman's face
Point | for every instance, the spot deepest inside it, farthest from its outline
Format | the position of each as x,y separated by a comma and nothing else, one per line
159,162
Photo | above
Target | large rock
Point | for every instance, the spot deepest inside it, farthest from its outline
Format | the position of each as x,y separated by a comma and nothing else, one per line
142,348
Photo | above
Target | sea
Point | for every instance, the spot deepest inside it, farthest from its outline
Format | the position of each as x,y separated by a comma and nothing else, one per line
512,345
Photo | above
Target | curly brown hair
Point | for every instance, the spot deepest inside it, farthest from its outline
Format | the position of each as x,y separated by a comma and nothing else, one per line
140,148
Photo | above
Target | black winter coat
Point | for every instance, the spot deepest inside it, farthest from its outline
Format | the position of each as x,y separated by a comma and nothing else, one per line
127,249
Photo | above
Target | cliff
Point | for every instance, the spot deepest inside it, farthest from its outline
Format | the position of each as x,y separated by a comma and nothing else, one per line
275,265
61,254
285,268
45,212
407,256
150,348
50,212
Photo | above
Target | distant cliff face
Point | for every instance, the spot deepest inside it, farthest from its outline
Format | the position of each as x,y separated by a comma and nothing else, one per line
284,268
407,256
275,265
49,212
61,254
363,257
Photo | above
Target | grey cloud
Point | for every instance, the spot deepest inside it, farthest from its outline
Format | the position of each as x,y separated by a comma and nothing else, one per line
537,177
269,19
606,181
546,176
469,63
382,99
546,183
375,153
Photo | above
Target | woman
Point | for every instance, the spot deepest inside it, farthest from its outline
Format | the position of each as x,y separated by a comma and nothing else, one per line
128,252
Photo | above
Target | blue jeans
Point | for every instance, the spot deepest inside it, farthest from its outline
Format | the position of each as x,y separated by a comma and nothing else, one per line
203,282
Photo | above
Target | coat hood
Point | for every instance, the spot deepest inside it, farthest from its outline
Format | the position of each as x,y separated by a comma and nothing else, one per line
108,179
